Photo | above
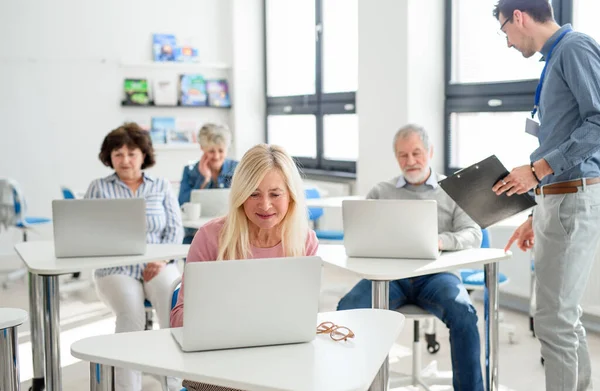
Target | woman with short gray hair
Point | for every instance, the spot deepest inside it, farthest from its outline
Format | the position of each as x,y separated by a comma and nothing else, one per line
213,170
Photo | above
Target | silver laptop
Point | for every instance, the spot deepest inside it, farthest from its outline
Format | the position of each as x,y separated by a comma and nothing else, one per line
253,302
214,202
391,228
99,227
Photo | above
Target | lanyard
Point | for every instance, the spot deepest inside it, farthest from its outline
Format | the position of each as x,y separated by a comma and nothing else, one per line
538,90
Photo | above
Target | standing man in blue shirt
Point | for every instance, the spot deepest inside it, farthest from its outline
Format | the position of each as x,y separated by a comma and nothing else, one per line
565,172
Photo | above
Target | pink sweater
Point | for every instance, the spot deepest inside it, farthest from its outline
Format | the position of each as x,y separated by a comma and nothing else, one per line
204,248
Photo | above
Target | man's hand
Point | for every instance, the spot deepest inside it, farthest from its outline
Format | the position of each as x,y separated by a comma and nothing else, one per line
523,236
519,181
152,269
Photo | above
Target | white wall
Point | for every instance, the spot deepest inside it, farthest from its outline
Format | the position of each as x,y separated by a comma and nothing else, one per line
400,80
61,79
248,75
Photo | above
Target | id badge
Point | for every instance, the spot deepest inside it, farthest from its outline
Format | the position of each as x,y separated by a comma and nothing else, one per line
532,127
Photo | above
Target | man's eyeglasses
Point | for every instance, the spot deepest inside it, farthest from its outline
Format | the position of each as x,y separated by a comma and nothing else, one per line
501,31
337,333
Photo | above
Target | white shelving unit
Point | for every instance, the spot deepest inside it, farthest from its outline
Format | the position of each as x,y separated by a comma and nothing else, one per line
176,65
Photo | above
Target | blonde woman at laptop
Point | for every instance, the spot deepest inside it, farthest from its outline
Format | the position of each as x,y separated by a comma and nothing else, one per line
268,219
128,150
441,294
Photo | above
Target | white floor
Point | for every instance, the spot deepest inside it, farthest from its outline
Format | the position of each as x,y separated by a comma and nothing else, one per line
83,315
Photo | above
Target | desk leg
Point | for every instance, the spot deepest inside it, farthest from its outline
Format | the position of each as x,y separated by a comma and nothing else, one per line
381,300
37,331
9,366
491,316
50,310
102,377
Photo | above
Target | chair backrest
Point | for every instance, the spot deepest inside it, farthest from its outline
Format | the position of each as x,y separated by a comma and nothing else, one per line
175,292
67,193
313,213
485,241
12,203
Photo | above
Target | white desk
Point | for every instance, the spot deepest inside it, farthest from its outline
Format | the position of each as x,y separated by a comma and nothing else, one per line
381,271
197,223
330,202
321,365
44,269
10,318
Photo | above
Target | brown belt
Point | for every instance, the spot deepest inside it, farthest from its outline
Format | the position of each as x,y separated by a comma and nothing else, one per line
566,187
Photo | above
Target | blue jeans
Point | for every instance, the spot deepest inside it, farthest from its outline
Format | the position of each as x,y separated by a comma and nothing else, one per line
444,296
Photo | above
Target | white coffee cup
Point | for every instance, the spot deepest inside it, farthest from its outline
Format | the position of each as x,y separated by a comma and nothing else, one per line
191,211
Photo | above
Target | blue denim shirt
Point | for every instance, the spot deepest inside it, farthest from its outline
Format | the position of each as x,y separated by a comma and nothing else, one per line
192,179
569,111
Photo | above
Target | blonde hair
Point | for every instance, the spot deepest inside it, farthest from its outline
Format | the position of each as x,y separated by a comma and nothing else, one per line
214,134
234,239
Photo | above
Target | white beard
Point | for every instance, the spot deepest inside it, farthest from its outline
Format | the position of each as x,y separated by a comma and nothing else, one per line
417,178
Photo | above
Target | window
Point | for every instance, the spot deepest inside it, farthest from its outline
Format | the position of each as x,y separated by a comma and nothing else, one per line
475,136
489,88
585,17
479,53
297,132
338,127
291,48
312,77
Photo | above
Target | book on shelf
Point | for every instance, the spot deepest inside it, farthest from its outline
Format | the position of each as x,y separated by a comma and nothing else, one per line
179,136
161,126
193,90
164,47
218,93
136,92
190,125
186,51
165,92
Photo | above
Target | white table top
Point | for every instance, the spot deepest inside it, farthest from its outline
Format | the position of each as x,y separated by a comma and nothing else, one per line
39,257
197,223
388,269
330,202
11,317
322,364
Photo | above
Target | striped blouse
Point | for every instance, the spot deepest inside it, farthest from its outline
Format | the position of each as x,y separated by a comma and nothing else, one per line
163,217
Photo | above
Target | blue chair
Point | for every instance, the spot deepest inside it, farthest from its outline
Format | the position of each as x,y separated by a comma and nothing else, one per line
24,223
67,193
314,214
473,279
19,220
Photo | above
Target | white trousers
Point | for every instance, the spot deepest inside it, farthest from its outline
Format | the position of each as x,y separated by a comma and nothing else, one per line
125,296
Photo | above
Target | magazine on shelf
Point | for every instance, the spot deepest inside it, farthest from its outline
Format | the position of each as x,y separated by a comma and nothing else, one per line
165,92
218,93
161,126
193,90
164,47
136,92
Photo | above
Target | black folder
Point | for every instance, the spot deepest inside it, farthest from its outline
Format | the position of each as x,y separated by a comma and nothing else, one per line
471,189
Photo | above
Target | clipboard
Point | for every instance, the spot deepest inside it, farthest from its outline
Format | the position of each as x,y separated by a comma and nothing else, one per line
471,189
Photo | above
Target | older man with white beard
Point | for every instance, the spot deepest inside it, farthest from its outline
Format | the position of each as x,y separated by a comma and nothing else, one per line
441,294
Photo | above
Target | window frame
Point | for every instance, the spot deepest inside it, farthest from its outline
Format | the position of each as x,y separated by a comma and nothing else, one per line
319,104
474,97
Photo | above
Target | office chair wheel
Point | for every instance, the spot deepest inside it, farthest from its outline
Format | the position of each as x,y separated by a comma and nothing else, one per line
433,346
